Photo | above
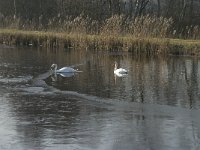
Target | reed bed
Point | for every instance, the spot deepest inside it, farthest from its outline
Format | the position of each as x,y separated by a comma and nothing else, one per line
141,35
138,46
118,25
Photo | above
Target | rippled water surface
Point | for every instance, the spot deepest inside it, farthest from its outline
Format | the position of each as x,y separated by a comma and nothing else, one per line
155,107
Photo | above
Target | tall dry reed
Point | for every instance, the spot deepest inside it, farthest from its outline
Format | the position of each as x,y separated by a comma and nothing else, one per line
117,25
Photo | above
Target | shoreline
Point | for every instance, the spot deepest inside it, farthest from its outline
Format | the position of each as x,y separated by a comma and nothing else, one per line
139,45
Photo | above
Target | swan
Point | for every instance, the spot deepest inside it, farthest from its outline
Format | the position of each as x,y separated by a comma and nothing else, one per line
120,71
54,76
63,70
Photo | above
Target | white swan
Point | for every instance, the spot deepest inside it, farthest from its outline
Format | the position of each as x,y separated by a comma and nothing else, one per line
54,76
63,70
120,71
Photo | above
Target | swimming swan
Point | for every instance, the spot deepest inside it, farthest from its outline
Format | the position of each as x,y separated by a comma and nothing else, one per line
63,70
120,71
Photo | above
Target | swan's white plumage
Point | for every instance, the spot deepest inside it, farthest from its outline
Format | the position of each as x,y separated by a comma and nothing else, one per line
62,70
66,70
120,71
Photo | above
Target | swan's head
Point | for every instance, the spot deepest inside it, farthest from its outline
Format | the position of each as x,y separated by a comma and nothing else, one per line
53,66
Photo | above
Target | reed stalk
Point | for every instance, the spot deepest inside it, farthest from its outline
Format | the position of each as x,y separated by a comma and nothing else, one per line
135,45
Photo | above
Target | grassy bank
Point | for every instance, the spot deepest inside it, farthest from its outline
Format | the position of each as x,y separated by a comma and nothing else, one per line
147,46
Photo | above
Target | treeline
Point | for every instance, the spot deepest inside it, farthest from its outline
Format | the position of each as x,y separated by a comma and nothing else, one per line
48,14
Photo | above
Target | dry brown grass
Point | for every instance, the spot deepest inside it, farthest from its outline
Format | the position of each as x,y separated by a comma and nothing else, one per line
139,46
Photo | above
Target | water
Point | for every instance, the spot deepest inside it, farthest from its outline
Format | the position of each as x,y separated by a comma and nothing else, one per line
156,106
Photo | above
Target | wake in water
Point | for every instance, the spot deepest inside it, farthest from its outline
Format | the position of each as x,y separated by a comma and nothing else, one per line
16,80
38,87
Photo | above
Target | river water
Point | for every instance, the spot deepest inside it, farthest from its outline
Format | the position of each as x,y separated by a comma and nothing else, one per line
155,107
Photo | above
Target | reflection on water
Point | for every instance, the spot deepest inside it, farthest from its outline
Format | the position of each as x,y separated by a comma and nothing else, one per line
170,81
156,106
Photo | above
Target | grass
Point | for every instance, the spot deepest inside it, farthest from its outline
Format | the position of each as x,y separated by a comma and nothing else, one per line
143,35
136,45
184,47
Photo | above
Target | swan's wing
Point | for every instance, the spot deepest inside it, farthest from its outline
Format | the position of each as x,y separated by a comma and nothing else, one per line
70,68
66,69
121,74
68,74
123,71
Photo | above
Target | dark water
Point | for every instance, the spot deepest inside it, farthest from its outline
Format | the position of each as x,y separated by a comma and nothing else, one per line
155,107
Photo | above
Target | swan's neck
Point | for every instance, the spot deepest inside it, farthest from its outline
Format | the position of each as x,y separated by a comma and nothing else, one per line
115,67
55,68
